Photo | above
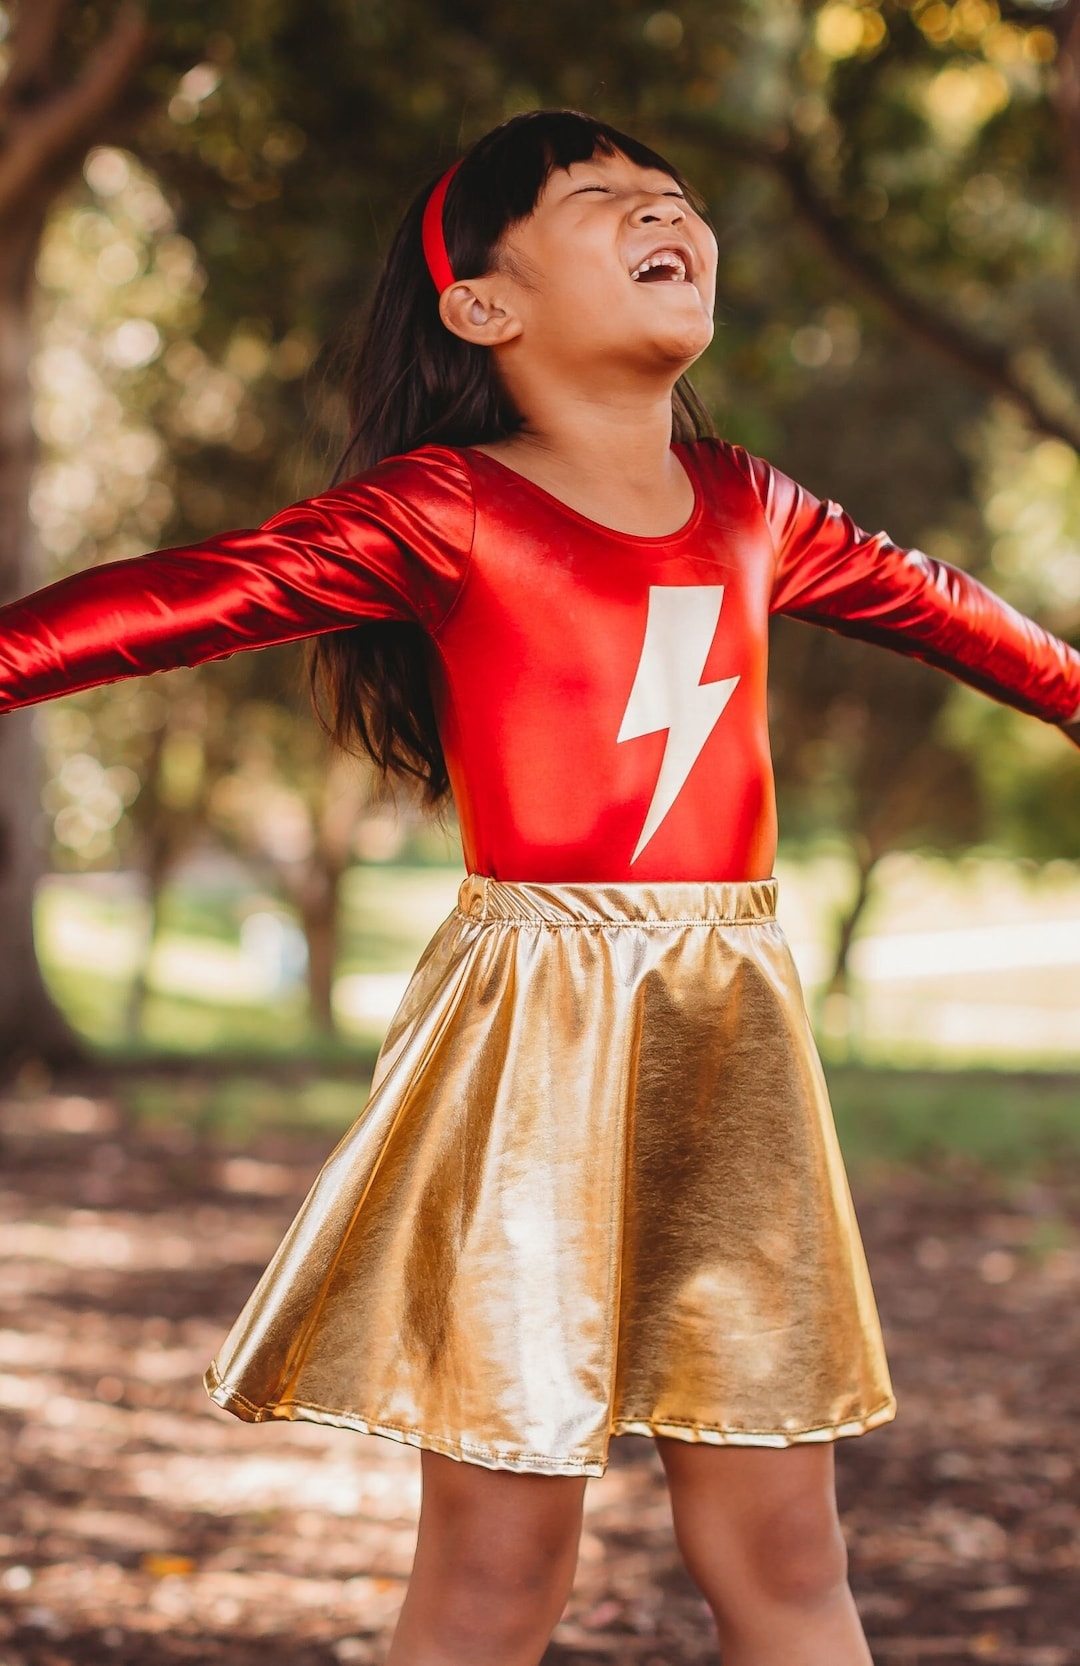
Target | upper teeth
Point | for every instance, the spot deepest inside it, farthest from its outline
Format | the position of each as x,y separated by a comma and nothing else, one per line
663,257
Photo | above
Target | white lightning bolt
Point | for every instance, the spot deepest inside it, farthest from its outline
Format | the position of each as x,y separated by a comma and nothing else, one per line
668,692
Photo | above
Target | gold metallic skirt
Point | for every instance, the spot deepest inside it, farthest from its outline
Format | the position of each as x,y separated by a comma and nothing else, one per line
596,1191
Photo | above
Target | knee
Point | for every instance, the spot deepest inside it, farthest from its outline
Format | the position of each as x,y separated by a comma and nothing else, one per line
520,1548
503,1591
485,1565
796,1553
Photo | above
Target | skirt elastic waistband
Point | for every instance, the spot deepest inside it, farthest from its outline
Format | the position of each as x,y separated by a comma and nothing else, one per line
724,903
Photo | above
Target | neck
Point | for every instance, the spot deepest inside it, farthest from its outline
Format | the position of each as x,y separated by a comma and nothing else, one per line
609,458
619,437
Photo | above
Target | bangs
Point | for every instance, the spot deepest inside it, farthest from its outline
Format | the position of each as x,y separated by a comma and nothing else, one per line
501,179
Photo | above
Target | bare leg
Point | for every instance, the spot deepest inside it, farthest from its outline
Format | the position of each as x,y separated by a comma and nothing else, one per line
760,1535
495,1560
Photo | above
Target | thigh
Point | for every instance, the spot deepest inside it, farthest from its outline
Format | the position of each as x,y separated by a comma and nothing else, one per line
495,1559
499,1519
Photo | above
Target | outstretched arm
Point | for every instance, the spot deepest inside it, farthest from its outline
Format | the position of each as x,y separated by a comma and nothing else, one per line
391,544
830,572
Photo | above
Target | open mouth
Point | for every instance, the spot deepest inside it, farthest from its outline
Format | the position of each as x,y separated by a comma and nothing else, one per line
662,266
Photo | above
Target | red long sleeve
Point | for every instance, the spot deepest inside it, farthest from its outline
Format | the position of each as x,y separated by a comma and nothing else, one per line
393,544
601,697
830,572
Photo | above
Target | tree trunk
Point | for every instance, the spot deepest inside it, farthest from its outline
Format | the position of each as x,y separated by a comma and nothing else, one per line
318,900
31,1026
316,894
135,1007
836,1008
45,128
840,980
161,837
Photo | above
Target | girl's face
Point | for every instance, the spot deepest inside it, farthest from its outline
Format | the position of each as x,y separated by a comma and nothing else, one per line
612,267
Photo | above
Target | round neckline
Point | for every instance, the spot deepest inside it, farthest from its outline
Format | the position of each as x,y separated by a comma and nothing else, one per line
680,449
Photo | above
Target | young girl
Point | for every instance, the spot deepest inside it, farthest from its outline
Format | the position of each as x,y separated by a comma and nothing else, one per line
596,1190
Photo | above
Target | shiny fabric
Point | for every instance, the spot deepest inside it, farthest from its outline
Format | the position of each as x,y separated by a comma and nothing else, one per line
433,235
596,1191
601,696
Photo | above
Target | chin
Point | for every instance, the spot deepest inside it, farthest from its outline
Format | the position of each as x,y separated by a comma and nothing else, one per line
686,345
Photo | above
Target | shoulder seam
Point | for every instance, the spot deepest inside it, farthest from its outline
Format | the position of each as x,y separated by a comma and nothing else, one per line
467,564
744,461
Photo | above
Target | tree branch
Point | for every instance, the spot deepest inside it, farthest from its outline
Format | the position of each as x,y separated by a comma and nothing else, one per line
33,43
1067,97
42,138
1012,374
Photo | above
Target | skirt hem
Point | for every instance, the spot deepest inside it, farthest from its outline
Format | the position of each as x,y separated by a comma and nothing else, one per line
537,1463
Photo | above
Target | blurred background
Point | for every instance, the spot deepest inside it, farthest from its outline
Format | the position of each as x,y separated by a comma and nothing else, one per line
207,918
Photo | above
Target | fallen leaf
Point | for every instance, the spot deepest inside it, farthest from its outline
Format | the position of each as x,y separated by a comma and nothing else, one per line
993,1598
160,1565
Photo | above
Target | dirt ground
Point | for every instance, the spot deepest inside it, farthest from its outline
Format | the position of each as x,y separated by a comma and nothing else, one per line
142,1524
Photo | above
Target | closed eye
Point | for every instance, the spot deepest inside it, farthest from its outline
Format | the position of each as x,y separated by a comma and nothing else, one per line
679,195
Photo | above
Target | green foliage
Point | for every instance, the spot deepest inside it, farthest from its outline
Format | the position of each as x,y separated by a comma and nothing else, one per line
1016,1125
896,316
202,996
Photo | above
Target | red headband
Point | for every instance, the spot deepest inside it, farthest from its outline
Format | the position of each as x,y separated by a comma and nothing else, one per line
434,237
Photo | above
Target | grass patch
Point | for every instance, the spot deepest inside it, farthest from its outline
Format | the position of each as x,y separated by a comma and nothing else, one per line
248,1064
236,1109
1018,1122
90,942
1013,1125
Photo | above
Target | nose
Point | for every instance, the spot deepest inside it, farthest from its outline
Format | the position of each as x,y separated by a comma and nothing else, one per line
656,207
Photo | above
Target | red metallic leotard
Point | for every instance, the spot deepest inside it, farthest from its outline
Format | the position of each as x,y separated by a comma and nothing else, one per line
601,697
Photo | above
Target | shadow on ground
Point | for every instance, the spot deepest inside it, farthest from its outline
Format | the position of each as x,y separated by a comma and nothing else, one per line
145,1525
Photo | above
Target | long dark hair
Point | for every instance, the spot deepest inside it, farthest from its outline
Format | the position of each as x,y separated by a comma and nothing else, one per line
409,381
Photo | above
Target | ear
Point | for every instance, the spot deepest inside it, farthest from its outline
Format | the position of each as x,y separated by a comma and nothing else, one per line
481,311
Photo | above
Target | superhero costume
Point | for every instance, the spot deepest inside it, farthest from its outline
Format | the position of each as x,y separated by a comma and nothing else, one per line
596,1189
592,687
